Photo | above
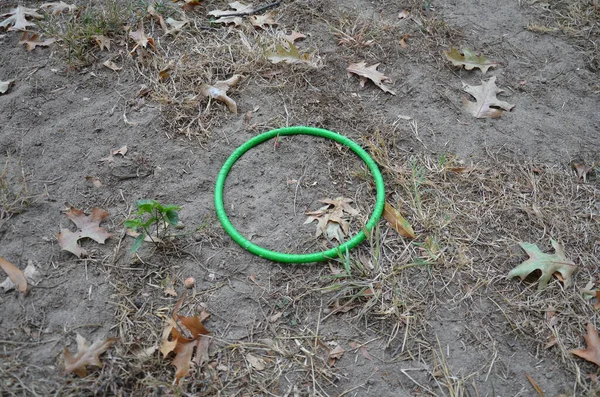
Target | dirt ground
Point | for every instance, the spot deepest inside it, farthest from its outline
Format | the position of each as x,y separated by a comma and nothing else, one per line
430,316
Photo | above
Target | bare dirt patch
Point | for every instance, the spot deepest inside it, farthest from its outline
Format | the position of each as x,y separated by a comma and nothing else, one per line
431,316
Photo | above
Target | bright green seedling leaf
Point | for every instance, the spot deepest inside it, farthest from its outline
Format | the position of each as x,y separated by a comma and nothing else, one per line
548,264
154,225
469,59
172,217
146,205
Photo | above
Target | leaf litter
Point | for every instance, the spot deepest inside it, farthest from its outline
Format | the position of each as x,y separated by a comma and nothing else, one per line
218,91
486,105
370,73
468,59
292,56
86,355
15,275
592,352
32,275
16,19
88,225
332,219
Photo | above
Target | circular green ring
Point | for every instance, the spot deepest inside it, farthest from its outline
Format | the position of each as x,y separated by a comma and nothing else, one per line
298,258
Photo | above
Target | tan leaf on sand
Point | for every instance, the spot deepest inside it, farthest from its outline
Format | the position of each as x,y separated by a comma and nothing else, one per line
176,25
548,264
291,56
166,345
31,41
140,38
592,353
292,37
147,238
14,274
332,218
335,354
581,169
16,19
5,85
487,104
237,21
89,226
370,73
86,355
192,338
190,5
56,8
256,362
31,275
111,65
469,59
535,385
159,18
263,21
397,221
102,41
94,180
218,91
236,6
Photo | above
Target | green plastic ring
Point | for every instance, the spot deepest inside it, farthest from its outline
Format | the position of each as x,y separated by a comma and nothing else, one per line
298,258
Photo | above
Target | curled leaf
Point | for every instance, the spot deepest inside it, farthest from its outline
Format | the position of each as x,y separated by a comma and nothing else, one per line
370,73
86,355
218,91
291,56
469,59
14,274
397,221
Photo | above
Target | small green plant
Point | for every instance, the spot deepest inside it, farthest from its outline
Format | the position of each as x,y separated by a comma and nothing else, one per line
152,220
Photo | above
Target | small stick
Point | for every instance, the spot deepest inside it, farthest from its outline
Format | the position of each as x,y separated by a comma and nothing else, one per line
252,11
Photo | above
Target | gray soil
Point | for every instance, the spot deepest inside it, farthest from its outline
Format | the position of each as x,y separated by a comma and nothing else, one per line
57,124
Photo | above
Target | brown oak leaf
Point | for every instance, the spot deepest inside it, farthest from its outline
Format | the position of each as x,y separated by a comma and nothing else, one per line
468,59
487,105
263,21
370,73
31,41
236,5
89,226
291,56
140,38
592,353
218,91
332,218
86,355
15,274
102,41
56,8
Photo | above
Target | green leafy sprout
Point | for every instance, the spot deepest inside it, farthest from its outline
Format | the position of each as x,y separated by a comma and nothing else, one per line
151,216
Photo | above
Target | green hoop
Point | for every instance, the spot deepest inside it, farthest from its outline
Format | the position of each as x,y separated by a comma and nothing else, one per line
298,258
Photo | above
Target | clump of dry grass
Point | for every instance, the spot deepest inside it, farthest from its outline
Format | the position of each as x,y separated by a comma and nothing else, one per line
15,194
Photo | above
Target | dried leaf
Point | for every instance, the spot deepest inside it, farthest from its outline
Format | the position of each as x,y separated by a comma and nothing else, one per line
370,73
236,5
94,180
397,221
5,85
86,355
176,25
331,218
122,151
263,21
190,5
111,65
534,384
102,41
581,169
548,264
256,362
140,38
56,8
487,104
31,275
89,226
166,345
292,37
592,353
159,18
237,21
31,41
186,344
147,238
218,91
14,274
291,56
16,19
468,59
403,14
403,41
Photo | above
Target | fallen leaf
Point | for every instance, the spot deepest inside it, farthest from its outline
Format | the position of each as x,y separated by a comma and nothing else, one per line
546,263
331,218
102,41
487,104
31,41
291,56
551,342
86,355
469,59
256,362
89,226
218,91
147,238
176,25
534,384
56,8
15,275
159,18
94,180
190,5
292,37
122,151
140,38
403,14
237,7
592,353
31,275
16,19
5,85
397,221
370,73
581,169
191,338
263,21
237,21
337,352
111,65
403,41
166,345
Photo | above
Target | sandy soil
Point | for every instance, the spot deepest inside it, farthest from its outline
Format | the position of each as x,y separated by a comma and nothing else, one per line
445,322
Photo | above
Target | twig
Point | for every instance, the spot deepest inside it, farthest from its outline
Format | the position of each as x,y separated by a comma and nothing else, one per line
252,11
